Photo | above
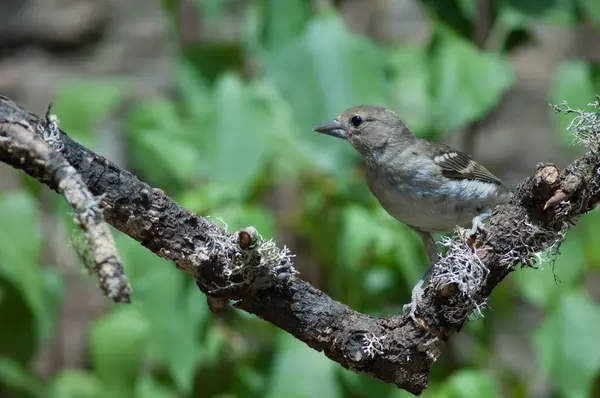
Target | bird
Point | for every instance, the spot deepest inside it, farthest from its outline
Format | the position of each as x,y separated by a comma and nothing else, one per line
429,186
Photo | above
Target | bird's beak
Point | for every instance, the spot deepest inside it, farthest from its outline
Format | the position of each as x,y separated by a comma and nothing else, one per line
333,128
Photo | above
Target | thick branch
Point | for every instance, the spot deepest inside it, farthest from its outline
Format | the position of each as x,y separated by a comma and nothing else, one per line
261,279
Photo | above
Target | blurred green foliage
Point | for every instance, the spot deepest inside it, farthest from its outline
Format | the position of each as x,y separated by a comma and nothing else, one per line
237,131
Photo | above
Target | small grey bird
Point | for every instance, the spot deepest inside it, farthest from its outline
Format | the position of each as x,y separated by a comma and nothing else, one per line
428,186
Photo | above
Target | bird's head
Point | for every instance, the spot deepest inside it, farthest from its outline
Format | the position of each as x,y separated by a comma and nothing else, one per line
368,128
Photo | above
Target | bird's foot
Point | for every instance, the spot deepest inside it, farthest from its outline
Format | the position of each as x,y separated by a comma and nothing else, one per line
416,295
478,225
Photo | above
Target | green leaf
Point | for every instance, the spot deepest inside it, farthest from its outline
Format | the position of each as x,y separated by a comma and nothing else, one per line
212,10
118,343
333,69
194,90
175,331
233,138
285,21
300,372
250,379
409,86
456,14
378,279
410,255
592,8
467,83
81,104
242,133
532,8
589,237
53,291
149,387
553,11
17,378
19,341
572,83
539,286
138,261
211,195
566,344
214,343
173,155
21,244
377,233
363,385
174,317
468,383
76,384
163,143
359,231
468,8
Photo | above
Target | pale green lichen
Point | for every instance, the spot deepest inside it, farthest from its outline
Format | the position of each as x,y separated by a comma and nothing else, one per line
585,126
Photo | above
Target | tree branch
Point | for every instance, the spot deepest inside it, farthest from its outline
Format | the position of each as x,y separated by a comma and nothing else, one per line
260,278
39,144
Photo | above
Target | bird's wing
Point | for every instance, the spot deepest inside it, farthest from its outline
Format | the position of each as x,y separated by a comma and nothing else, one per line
457,165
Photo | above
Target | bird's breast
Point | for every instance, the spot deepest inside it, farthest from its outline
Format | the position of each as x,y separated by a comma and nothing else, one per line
423,200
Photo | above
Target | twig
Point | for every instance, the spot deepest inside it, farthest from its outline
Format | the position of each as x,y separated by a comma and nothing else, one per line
18,137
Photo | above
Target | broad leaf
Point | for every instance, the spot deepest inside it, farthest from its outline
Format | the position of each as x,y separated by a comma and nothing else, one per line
174,317
20,245
162,144
18,378
19,341
299,372
366,231
540,287
410,87
53,291
244,130
149,387
468,383
118,343
76,384
553,11
81,105
566,344
359,231
285,20
467,83
592,8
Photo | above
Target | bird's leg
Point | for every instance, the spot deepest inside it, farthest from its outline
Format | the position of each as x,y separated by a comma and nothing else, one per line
432,257
478,222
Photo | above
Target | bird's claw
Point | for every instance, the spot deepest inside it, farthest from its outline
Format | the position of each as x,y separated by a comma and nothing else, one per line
416,295
410,310
477,225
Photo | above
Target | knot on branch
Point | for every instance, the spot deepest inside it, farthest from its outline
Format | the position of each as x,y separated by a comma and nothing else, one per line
253,264
248,238
456,279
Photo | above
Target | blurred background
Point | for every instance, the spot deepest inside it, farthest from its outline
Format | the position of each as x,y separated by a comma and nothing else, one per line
214,101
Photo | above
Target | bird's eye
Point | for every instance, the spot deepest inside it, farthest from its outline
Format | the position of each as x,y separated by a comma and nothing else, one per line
356,121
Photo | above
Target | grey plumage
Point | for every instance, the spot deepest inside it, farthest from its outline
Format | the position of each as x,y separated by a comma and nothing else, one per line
431,187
